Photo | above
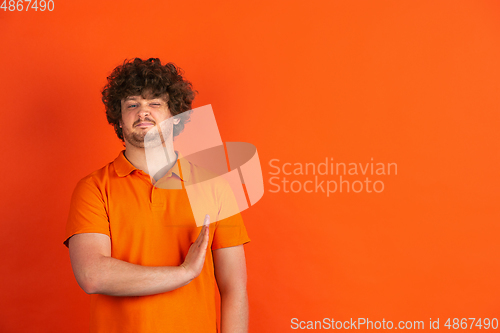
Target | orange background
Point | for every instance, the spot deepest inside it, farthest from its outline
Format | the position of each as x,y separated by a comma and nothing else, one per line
414,83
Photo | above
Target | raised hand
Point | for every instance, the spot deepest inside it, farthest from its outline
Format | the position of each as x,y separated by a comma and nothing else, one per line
195,258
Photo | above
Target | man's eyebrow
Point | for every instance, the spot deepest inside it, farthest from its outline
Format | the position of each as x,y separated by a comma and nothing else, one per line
130,98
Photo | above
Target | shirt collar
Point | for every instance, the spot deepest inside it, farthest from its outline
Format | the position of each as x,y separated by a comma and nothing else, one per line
123,167
182,168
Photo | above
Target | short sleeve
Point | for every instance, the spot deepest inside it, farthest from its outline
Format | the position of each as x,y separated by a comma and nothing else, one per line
230,231
87,213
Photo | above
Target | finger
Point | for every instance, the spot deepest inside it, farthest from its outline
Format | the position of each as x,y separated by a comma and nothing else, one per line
206,232
206,223
206,239
204,229
202,233
203,238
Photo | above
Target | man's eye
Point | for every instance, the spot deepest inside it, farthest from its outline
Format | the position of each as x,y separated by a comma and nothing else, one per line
155,104
132,106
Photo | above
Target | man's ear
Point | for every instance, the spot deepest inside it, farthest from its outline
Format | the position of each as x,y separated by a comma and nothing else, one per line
120,123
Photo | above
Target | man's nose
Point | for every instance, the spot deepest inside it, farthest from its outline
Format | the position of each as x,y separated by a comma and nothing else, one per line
144,111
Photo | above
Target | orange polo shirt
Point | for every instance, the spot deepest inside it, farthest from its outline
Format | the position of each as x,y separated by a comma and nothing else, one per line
150,226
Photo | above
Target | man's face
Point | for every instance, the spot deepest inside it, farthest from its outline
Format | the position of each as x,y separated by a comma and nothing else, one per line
139,115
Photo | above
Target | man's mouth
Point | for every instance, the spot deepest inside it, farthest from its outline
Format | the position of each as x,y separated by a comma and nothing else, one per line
144,124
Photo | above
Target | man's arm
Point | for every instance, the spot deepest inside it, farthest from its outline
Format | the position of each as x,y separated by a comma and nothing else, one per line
231,275
98,273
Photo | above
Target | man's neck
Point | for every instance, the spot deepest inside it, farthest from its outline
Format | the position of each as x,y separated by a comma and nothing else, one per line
158,160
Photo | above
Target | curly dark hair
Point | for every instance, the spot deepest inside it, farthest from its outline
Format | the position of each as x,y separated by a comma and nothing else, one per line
139,77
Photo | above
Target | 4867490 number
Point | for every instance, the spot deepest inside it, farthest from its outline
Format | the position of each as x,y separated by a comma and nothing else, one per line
26,5
470,323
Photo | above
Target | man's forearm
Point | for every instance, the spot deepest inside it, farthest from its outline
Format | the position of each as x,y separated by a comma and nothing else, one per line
98,273
115,277
234,312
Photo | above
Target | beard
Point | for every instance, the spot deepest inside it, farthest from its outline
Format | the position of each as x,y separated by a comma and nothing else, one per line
153,137
135,139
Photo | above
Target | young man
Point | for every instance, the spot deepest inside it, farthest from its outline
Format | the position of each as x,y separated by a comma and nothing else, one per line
135,247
